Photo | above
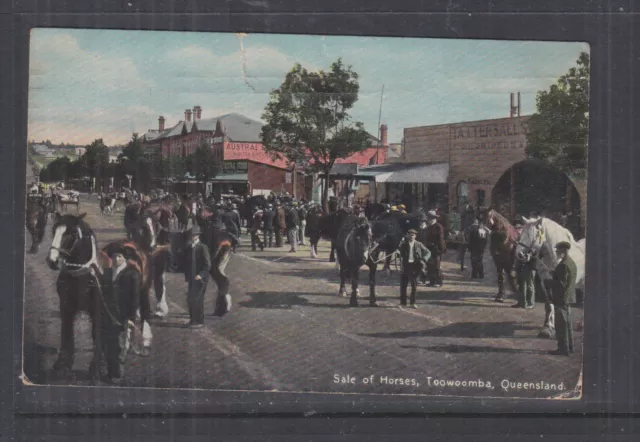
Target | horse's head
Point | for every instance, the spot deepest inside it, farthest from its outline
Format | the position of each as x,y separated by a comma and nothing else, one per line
531,239
69,233
362,230
146,230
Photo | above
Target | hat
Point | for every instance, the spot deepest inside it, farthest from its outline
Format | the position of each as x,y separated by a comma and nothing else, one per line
432,214
394,208
402,206
412,232
116,249
193,231
563,245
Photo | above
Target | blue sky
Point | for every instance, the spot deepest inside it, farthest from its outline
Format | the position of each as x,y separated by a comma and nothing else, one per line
87,84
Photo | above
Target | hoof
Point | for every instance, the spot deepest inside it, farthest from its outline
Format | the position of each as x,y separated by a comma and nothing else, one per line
94,371
545,333
144,352
353,303
342,293
374,304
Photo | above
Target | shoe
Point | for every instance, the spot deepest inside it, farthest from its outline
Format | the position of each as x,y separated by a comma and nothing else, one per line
292,251
413,306
559,353
196,325
499,299
517,306
530,306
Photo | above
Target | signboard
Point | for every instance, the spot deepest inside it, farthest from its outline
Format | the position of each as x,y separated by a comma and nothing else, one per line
235,166
250,151
287,178
217,140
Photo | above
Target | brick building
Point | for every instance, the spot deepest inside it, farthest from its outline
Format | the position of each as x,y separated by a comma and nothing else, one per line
237,143
488,165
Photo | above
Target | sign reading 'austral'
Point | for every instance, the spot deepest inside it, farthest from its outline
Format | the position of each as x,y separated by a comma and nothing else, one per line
250,151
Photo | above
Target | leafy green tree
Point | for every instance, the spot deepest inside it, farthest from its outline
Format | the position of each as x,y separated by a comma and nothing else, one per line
203,164
96,159
558,132
57,170
308,121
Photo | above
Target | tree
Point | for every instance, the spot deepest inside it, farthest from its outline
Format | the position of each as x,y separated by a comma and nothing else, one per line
203,164
96,159
558,131
308,121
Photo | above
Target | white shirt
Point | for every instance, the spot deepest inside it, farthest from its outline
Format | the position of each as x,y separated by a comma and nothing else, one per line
411,244
118,269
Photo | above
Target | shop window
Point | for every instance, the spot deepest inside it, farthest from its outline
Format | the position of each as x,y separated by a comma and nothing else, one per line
462,194
480,197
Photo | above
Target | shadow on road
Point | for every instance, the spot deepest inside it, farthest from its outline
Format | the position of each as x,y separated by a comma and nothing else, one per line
473,349
286,300
461,330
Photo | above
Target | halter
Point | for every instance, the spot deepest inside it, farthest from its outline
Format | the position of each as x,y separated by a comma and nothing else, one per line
87,268
538,239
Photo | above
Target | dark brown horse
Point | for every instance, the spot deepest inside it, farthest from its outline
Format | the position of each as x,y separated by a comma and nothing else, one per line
36,221
74,254
502,245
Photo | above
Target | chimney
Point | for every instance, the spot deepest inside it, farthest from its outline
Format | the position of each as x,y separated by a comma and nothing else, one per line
511,105
197,112
518,103
161,123
383,135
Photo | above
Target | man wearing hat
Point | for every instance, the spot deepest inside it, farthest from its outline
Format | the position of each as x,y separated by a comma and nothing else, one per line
434,240
525,275
231,220
414,256
267,219
120,284
563,293
279,223
257,223
292,222
196,274
302,220
478,238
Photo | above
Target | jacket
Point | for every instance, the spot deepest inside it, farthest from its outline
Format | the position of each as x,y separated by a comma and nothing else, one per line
280,222
122,295
231,221
564,282
197,262
434,239
420,254
302,214
268,217
478,238
292,219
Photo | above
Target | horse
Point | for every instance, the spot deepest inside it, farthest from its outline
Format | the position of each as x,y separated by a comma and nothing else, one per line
392,228
74,254
247,209
183,213
541,235
220,244
132,214
107,203
330,226
502,245
65,200
315,220
353,245
36,221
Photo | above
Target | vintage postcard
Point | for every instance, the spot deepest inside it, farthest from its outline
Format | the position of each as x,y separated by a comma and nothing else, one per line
301,213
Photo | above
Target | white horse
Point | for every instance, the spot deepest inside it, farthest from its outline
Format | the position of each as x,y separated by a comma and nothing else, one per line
543,234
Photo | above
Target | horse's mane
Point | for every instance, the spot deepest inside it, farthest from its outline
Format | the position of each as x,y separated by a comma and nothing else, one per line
502,224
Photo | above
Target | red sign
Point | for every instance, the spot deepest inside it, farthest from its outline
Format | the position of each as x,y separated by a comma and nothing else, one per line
252,152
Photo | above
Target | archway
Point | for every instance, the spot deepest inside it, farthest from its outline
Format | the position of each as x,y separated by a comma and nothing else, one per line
534,186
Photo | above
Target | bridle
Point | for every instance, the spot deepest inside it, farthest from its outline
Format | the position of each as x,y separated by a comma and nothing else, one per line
80,269
539,239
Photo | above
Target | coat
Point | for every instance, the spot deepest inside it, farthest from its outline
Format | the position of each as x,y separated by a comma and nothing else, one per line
280,222
292,219
231,221
478,238
564,282
268,217
434,239
420,254
122,295
197,262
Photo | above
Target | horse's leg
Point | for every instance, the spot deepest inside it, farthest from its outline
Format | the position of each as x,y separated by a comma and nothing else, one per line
68,309
223,299
373,267
354,273
159,287
500,295
97,329
548,329
332,254
387,265
145,316
344,272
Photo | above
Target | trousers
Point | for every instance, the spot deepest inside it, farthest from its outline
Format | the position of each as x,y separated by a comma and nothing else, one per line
527,287
303,225
434,270
115,346
564,330
195,300
268,235
292,234
278,232
410,275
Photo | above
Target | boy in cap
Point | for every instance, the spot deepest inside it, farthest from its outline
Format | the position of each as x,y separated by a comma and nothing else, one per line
434,240
120,284
196,274
563,293
414,256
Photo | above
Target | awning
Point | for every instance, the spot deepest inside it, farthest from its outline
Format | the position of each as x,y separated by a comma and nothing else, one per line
434,173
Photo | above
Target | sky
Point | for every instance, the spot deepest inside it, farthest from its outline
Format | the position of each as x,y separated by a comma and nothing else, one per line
88,84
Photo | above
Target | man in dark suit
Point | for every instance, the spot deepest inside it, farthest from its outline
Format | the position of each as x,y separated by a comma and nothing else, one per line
563,292
196,274
478,238
267,218
231,220
279,223
434,240
120,284
414,256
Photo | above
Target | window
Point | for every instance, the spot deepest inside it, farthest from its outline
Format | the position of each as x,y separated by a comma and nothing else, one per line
480,197
462,194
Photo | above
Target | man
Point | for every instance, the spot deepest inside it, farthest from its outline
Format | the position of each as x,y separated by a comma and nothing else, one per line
467,217
478,238
292,227
231,220
414,256
302,219
526,277
434,240
120,285
563,293
196,274
256,225
267,219
279,224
